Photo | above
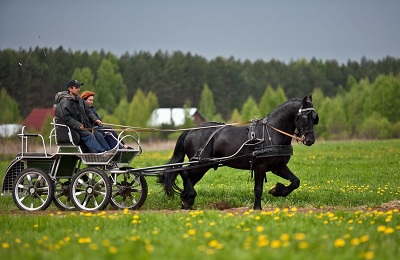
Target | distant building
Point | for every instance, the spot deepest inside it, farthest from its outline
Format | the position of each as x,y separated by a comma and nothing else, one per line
7,130
174,116
37,117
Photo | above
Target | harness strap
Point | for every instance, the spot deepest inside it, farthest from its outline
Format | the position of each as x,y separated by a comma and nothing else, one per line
197,156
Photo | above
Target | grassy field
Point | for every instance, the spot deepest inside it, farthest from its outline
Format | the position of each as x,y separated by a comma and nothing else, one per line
347,207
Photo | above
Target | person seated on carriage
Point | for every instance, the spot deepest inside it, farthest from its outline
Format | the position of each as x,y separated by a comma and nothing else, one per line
109,135
73,111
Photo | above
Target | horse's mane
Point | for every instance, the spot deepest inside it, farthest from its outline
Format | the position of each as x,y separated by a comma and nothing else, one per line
285,104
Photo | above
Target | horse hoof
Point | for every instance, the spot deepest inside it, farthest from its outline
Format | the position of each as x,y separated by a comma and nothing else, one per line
186,206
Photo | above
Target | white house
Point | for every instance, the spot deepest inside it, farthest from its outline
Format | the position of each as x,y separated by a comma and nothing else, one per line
174,116
7,130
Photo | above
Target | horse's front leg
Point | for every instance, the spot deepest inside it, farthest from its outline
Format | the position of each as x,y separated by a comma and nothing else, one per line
259,177
281,190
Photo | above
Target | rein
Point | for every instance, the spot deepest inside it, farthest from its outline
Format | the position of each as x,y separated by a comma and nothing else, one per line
298,139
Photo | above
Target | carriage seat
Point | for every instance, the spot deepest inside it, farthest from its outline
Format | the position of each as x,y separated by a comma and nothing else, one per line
65,136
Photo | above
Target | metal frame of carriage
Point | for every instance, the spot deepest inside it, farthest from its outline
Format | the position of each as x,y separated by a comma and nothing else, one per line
73,179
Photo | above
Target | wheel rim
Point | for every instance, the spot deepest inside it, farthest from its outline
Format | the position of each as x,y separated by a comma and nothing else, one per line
127,191
90,190
62,195
32,191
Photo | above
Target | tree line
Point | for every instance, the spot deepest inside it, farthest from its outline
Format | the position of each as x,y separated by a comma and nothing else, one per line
351,97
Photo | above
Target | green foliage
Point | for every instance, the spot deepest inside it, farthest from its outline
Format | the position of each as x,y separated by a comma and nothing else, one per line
271,99
84,75
207,106
375,127
235,117
8,107
109,86
120,111
250,110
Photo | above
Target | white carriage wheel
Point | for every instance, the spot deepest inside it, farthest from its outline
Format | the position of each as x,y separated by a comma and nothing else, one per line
90,189
33,189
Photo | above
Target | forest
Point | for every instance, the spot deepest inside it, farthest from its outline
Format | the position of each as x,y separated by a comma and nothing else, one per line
357,99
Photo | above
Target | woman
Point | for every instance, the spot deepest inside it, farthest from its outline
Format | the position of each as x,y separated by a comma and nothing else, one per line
88,96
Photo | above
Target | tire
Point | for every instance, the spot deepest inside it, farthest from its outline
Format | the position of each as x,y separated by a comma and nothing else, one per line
90,189
62,198
129,191
33,189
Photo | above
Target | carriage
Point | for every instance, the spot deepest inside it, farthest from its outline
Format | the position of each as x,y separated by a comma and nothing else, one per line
74,179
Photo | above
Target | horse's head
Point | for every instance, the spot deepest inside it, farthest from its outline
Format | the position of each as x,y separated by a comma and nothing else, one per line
305,120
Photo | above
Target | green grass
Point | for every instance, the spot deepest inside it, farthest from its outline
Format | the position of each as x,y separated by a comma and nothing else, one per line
336,213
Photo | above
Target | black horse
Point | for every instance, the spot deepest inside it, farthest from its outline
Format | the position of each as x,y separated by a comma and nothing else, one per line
262,146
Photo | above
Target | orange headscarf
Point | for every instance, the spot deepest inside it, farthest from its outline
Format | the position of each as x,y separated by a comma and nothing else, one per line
86,94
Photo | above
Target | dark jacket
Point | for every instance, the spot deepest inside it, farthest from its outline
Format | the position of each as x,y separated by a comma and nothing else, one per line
95,112
74,112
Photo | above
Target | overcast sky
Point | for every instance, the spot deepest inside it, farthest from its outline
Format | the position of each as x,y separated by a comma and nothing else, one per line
243,29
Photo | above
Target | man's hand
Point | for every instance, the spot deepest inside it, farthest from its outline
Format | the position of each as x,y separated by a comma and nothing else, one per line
98,122
81,127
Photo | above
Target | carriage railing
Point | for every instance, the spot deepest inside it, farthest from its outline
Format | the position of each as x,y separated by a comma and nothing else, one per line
24,135
117,155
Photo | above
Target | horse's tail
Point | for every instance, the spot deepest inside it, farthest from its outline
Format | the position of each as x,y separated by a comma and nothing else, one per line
167,178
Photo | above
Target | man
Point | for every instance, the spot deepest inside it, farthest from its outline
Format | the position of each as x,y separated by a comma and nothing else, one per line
73,111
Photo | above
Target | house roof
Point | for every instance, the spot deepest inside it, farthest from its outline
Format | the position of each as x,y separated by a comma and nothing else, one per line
169,116
37,117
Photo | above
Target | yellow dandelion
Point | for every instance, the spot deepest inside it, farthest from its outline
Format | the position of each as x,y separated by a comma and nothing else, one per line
285,237
126,211
134,238
210,251
276,243
5,245
84,240
212,223
67,239
149,247
35,226
113,249
17,240
192,232
97,228
299,236
260,229
155,232
207,234
93,247
135,216
355,241
262,241
364,238
215,244
339,242
369,255
381,228
303,245
389,230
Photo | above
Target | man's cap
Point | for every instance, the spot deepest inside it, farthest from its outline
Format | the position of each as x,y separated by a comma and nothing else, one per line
74,82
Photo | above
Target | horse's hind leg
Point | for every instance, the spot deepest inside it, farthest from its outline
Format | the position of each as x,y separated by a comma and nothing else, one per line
281,190
189,194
